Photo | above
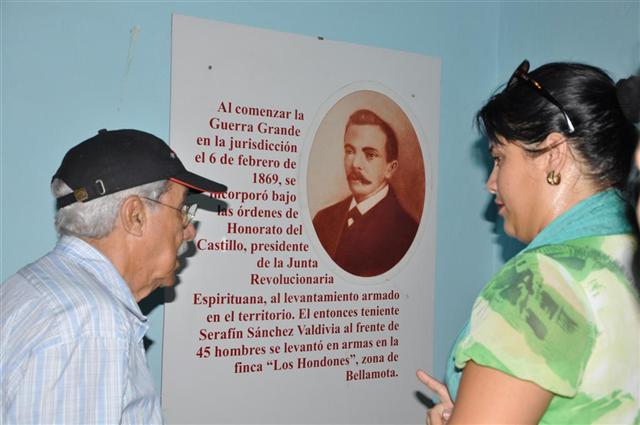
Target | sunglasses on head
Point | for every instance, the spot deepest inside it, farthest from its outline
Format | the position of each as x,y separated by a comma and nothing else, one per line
522,73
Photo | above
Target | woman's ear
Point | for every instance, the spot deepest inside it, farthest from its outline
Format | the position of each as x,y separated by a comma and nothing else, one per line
557,152
133,215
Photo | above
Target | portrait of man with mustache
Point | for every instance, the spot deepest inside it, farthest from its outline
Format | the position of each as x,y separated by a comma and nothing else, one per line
369,232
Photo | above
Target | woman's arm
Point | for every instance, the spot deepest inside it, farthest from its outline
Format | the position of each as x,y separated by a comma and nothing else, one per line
490,396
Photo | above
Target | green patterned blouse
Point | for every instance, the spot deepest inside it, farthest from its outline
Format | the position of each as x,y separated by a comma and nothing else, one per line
566,316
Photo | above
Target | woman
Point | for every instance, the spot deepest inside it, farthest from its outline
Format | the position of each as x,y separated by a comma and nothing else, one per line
554,336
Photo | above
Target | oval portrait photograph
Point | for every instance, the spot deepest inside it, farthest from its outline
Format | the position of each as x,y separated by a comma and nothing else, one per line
366,183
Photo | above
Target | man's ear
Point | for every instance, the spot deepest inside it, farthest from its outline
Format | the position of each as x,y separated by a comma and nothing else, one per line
392,166
558,152
133,215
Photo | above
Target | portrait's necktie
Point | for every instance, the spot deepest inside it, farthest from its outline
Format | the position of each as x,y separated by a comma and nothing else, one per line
353,215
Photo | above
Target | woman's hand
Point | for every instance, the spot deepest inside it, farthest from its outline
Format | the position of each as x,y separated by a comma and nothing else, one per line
441,412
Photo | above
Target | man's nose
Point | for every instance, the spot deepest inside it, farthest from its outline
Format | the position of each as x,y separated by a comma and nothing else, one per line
358,158
189,232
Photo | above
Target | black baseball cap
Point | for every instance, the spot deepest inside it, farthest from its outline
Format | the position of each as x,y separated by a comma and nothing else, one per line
116,160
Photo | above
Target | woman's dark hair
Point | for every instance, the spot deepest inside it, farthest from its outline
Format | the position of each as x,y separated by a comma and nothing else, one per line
629,95
603,136
633,184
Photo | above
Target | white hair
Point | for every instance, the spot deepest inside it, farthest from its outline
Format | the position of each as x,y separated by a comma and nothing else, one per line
96,218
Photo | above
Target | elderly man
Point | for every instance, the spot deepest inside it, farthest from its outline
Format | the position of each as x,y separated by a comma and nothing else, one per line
70,327
367,233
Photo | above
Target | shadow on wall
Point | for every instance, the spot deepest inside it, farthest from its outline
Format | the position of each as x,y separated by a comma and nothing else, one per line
508,245
425,400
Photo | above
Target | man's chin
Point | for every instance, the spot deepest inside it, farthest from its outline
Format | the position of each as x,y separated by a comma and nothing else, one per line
169,282
360,190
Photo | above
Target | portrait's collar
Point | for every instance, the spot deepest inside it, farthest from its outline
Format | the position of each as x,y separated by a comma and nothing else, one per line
371,201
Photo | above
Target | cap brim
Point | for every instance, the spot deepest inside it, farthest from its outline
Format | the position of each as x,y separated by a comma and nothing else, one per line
198,183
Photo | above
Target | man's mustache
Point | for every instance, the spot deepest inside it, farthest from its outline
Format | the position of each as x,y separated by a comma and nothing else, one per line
357,175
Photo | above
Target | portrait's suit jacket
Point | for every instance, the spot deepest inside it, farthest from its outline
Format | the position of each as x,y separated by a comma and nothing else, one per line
374,243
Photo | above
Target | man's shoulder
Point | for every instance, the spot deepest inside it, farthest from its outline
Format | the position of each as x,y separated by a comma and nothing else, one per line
28,319
339,208
391,207
57,273
62,292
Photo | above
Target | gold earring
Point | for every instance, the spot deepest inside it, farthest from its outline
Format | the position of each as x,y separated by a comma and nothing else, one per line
553,179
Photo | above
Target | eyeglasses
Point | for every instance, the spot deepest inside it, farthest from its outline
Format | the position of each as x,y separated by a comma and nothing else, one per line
188,212
521,73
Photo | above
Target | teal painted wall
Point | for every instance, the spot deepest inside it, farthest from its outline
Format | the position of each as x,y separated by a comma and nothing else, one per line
70,68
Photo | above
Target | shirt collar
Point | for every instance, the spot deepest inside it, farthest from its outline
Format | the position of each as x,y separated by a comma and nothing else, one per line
105,272
370,202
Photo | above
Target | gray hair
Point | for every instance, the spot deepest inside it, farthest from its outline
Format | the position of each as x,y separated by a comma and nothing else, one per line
96,219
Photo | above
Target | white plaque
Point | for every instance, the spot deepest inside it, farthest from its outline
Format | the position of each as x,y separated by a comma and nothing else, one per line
274,320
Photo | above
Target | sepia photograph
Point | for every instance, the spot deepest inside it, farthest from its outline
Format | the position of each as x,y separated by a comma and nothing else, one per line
366,183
